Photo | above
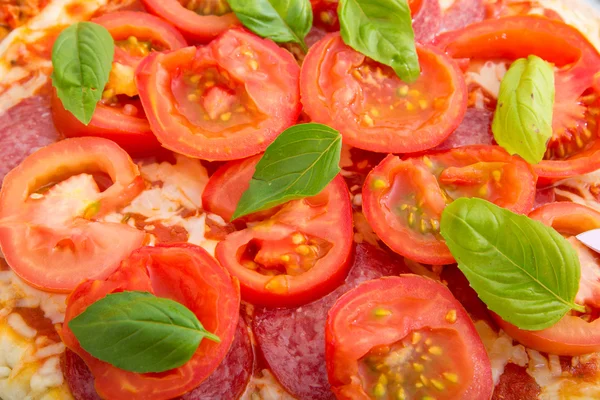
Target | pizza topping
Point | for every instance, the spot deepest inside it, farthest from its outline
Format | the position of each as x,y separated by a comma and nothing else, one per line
381,30
291,169
408,351
210,103
540,260
372,108
403,200
282,22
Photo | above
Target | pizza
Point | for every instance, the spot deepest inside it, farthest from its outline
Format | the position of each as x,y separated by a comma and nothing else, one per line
299,199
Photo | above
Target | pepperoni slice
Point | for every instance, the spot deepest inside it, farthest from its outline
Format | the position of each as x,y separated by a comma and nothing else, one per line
231,376
462,13
475,128
25,128
293,340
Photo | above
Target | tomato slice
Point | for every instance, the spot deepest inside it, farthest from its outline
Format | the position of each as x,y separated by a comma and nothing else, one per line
288,255
119,116
199,20
574,147
426,17
225,101
403,199
181,272
404,337
372,108
49,206
576,333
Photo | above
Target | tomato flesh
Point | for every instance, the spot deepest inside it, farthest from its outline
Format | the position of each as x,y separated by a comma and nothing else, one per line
288,255
576,333
574,146
224,101
403,199
181,272
402,338
372,108
49,210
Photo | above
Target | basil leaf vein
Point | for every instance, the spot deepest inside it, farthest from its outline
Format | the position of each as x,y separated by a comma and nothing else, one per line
282,21
299,163
381,30
139,332
82,58
523,119
523,270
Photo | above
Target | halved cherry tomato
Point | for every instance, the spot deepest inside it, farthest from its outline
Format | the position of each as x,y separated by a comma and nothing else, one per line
288,255
575,334
426,16
225,101
199,20
404,337
575,146
119,116
372,108
49,206
181,272
403,199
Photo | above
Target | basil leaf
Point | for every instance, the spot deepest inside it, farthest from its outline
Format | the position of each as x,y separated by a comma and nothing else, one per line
381,30
139,332
282,21
82,58
523,270
299,163
523,119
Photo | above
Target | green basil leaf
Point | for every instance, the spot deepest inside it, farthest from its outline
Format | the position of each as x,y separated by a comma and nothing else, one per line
139,332
381,30
282,21
523,270
299,163
523,119
82,58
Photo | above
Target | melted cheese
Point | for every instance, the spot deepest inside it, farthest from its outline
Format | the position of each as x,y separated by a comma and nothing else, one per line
265,387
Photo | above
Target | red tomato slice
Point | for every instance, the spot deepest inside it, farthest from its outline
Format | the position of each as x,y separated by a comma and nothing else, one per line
426,16
575,334
49,205
372,108
181,272
119,116
288,255
574,147
199,20
225,101
404,337
403,199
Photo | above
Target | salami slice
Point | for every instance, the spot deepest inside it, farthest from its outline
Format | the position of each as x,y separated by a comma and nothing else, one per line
227,382
293,340
462,13
25,128
426,21
476,128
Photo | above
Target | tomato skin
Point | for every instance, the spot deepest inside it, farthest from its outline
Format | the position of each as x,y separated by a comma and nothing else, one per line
196,28
572,335
334,92
556,42
181,272
131,132
412,303
214,140
418,189
326,217
29,237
